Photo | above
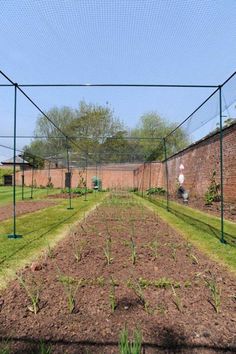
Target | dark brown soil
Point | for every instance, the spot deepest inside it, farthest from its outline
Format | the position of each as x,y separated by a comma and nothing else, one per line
24,207
93,328
214,209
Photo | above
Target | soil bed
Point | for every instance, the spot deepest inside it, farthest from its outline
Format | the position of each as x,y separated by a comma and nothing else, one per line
24,207
179,316
213,209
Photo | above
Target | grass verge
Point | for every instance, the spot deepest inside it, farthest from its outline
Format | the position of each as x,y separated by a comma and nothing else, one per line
6,193
40,230
224,254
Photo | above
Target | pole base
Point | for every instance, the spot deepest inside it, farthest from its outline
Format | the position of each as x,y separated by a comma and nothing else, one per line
223,241
14,236
70,208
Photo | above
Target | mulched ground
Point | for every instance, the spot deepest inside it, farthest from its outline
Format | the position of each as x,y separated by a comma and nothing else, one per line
176,320
213,209
24,207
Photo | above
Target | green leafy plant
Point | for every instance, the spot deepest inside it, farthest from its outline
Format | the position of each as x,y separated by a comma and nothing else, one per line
112,295
213,192
107,250
50,252
165,283
78,248
215,293
133,251
71,287
32,290
133,346
138,290
156,191
153,246
5,347
44,349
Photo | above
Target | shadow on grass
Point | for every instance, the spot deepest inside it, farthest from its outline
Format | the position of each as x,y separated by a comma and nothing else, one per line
29,242
198,224
168,340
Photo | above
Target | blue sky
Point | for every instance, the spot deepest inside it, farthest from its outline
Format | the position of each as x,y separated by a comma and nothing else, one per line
115,41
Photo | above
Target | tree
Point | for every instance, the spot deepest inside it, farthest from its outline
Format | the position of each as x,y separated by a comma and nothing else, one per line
152,129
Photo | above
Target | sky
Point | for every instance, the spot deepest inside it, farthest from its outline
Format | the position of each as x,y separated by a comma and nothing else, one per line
116,41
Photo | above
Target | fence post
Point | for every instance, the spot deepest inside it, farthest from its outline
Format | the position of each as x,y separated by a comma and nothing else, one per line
222,239
69,175
14,234
167,175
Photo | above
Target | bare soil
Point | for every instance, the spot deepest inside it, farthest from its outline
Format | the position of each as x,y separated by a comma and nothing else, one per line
178,319
214,209
24,207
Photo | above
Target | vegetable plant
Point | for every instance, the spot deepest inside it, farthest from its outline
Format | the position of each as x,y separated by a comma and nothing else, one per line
133,346
32,291
215,293
112,295
71,287
107,250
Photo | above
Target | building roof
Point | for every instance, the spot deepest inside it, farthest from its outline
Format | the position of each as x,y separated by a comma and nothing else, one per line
19,161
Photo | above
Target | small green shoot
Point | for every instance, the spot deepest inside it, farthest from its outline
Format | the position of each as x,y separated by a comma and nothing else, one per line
133,346
153,246
138,290
133,251
71,287
177,300
32,291
44,349
215,293
78,249
112,295
107,251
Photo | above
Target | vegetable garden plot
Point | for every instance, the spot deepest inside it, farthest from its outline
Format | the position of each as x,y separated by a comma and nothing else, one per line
122,267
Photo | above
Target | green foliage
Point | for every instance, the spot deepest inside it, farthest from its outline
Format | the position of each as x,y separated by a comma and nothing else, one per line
107,250
133,346
71,286
32,291
156,191
4,172
215,293
44,349
112,295
133,251
213,192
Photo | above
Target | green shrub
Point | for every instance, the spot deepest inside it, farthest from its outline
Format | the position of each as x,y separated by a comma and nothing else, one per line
156,191
213,192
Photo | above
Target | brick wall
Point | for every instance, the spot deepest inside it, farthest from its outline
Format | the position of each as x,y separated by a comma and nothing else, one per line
112,176
199,160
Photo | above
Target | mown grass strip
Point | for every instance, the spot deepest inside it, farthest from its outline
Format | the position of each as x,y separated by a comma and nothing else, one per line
6,193
224,254
40,230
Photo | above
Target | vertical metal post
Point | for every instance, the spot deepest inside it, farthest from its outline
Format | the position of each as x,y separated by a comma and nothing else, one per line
32,182
68,170
86,178
143,178
14,234
167,175
49,175
221,169
23,178
150,174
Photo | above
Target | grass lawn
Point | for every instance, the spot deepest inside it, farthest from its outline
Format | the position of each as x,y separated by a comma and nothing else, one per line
6,193
187,221
40,230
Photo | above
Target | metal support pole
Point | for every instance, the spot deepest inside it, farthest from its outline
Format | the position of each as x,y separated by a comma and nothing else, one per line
23,178
69,174
32,182
150,175
86,179
49,175
221,169
167,175
14,234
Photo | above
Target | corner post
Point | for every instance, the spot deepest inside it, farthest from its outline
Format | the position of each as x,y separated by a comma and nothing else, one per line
167,175
222,239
